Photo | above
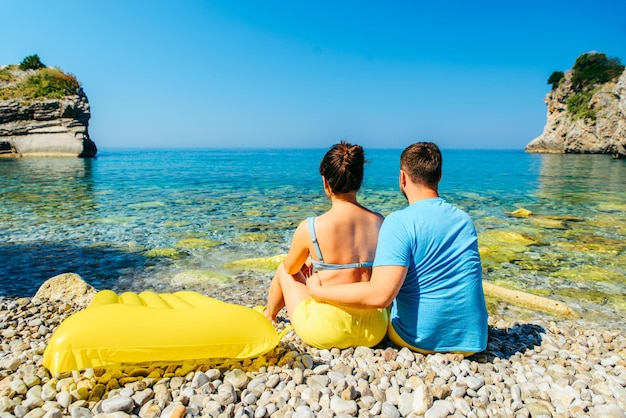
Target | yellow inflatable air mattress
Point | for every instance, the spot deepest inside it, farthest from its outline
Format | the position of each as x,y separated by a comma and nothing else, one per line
157,329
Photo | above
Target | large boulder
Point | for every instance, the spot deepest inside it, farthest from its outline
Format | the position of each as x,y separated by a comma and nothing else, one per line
67,287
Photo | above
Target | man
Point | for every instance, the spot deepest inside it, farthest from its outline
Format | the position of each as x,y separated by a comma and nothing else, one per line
427,267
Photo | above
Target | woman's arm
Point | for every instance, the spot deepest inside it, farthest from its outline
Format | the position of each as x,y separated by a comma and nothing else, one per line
299,250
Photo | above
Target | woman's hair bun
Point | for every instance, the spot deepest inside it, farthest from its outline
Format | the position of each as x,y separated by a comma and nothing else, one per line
342,167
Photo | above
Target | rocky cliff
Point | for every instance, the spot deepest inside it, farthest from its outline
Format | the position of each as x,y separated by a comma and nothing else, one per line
42,126
564,133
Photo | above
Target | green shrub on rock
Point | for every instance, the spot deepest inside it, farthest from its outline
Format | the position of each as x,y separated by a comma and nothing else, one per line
578,105
555,79
49,83
6,75
594,68
31,62
589,71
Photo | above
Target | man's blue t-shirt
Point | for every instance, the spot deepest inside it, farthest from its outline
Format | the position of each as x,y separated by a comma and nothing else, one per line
441,305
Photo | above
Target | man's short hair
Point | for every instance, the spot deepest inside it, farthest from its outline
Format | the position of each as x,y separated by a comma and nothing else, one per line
422,162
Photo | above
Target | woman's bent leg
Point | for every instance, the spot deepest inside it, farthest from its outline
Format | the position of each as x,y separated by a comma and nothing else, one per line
285,290
293,288
275,300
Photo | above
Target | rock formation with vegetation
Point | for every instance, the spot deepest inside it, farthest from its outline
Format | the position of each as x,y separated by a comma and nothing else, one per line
586,109
43,112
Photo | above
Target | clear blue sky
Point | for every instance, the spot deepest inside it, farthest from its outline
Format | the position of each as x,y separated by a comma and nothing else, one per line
230,73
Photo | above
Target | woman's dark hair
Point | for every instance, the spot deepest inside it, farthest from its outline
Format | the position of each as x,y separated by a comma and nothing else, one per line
342,167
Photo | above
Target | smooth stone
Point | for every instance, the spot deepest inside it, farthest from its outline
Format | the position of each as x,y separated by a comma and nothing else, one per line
64,399
117,414
608,411
342,406
143,396
260,412
8,333
440,409
199,379
226,394
474,382
237,378
317,381
20,411
55,413
80,412
537,409
303,412
35,413
389,410
405,403
174,410
422,398
150,411
5,403
31,380
118,403
18,386
257,383
48,392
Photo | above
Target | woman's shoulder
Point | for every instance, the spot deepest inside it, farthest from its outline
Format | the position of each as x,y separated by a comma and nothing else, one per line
371,212
374,216
303,226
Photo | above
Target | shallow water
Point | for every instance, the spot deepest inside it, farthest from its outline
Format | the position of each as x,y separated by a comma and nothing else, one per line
166,219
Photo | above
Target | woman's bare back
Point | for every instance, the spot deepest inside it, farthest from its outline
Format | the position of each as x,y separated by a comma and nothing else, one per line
346,234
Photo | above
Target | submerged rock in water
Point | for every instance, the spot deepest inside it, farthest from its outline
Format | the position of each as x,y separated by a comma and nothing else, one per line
164,252
499,237
521,213
196,243
261,263
190,277
500,246
589,272
583,247
257,237
548,223
545,221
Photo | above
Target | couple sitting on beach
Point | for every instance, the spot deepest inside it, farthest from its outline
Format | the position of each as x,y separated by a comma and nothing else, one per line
351,277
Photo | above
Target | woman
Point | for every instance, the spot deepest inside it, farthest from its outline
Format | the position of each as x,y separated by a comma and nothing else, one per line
339,247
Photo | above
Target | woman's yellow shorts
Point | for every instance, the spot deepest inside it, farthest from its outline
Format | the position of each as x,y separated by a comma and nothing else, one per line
323,325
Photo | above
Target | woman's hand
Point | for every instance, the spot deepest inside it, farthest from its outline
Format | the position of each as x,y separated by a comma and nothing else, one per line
307,268
313,285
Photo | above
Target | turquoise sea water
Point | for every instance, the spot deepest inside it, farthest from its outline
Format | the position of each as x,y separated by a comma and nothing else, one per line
166,219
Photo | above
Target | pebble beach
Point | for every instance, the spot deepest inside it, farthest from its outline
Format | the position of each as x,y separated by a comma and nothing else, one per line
544,367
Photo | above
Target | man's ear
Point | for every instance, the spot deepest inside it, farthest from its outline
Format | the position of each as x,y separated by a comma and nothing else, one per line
403,178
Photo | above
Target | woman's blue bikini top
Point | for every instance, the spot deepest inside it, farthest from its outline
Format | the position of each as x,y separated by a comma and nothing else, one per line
320,265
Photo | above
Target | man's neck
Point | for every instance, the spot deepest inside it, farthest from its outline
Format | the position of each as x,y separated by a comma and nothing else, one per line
421,193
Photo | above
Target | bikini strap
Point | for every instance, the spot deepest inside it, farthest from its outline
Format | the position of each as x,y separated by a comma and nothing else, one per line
325,266
314,238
